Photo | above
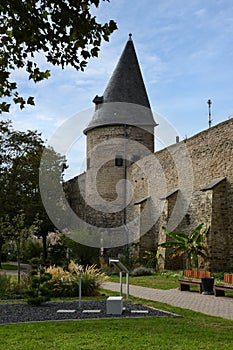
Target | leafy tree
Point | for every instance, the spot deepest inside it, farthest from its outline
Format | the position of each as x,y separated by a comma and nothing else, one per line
62,249
83,254
17,232
3,231
20,156
52,166
64,31
192,246
56,248
33,249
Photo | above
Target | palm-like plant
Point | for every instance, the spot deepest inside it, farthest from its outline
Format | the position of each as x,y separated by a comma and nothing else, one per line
192,246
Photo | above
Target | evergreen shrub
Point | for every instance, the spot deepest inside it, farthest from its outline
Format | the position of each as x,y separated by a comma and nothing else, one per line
142,271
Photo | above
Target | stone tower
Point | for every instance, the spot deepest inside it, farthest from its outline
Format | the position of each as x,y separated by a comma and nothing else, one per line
128,193
120,133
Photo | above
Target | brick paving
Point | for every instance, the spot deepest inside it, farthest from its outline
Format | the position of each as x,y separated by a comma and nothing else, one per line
207,304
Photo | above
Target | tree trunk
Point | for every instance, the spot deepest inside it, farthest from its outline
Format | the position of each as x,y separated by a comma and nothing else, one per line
1,244
44,240
19,275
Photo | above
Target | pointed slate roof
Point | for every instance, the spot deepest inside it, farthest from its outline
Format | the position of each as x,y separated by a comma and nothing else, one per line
125,99
126,83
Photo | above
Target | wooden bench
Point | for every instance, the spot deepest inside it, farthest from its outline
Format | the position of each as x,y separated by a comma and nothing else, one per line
192,278
186,283
227,286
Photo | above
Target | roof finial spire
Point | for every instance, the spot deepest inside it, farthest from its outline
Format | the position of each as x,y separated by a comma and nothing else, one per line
130,36
209,104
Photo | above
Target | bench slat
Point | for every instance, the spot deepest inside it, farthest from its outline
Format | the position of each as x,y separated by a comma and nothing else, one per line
196,273
221,288
185,284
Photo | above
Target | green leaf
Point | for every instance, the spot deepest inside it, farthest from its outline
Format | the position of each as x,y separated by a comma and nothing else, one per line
65,32
4,107
30,101
85,54
192,245
94,52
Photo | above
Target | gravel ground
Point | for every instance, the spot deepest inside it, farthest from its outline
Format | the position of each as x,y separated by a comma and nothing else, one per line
22,312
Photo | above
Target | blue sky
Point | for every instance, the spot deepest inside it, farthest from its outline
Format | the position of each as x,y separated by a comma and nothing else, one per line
185,51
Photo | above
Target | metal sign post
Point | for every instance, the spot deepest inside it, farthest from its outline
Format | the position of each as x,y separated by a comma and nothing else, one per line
121,268
80,288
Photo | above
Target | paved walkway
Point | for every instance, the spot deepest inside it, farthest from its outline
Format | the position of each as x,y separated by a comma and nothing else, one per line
207,304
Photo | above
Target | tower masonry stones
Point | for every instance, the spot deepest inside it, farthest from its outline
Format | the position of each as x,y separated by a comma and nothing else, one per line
129,192
120,133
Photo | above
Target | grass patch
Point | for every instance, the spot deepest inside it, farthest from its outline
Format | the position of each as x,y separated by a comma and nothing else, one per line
9,267
166,280
12,267
98,297
193,331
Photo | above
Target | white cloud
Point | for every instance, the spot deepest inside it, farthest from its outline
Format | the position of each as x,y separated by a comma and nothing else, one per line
185,52
200,13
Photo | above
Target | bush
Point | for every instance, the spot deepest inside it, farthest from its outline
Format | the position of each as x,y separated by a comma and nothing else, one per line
4,284
38,292
66,283
33,248
9,287
151,258
92,278
142,271
61,283
18,290
37,300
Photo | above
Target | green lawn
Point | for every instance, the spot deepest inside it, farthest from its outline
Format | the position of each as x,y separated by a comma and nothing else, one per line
192,331
6,266
166,280
12,266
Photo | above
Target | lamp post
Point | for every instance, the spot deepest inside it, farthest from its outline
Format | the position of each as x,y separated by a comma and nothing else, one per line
80,288
209,102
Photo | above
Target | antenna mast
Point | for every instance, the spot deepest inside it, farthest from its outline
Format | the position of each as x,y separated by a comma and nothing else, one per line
209,104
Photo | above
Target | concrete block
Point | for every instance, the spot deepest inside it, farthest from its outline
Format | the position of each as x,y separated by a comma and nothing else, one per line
114,305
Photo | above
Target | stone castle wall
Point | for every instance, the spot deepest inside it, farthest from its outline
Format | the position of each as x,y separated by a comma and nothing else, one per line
178,187
200,170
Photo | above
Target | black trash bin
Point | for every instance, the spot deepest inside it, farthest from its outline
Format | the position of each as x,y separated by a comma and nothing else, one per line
207,285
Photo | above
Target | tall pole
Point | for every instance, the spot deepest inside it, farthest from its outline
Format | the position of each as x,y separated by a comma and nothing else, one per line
125,192
125,177
209,104
80,289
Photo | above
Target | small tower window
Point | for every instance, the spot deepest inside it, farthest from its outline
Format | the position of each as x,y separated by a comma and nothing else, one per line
118,160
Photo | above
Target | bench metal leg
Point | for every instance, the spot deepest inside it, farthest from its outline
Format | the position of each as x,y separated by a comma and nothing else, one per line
219,293
184,287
